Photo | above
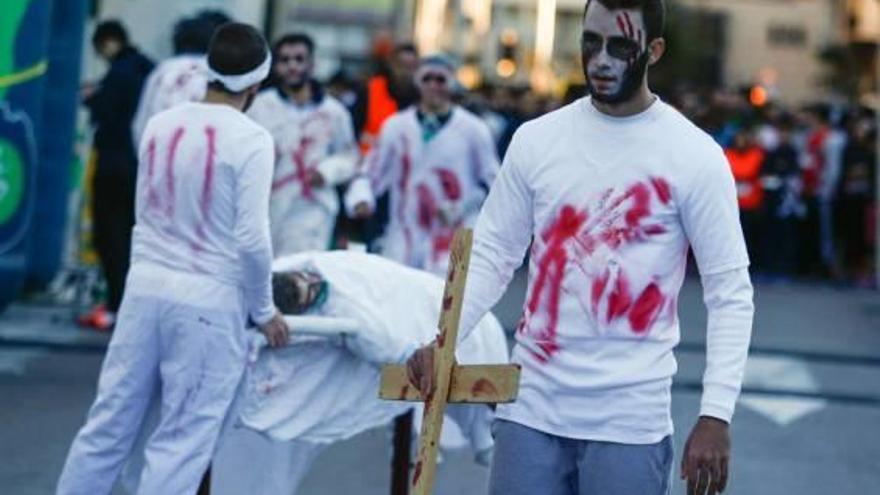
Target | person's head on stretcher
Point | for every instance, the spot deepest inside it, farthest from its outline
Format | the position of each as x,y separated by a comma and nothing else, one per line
295,292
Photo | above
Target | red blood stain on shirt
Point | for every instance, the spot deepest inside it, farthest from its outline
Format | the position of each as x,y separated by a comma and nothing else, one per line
483,387
449,183
442,243
208,183
662,188
619,221
303,170
551,270
169,173
427,206
620,299
599,284
646,308
403,185
152,195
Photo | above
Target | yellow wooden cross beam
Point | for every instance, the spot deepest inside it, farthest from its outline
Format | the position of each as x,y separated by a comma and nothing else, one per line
453,383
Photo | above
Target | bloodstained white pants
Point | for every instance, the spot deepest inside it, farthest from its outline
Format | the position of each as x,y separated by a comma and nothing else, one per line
196,356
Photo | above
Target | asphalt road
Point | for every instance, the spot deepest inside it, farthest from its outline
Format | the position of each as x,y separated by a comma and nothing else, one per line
808,422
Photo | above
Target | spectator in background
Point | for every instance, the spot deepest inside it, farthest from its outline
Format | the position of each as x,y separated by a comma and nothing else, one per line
315,149
183,77
112,104
746,159
857,195
390,90
781,181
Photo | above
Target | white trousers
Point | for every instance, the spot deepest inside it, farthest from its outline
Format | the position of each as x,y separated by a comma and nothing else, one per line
196,357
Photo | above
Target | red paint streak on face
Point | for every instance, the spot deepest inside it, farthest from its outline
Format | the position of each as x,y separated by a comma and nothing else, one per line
620,299
417,473
152,195
483,387
403,391
427,206
450,183
646,308
663,190
621,25
169,174
441,338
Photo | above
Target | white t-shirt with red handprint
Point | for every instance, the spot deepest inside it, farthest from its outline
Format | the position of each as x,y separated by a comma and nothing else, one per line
611,206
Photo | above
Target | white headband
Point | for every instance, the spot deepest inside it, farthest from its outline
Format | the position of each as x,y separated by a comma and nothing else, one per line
239,82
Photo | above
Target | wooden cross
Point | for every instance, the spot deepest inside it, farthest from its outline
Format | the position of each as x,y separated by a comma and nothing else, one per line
479,384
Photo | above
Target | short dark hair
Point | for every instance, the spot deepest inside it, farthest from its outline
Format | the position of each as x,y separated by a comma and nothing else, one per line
109,30
294,39
285,294
193,34
235,49
406,47
653,11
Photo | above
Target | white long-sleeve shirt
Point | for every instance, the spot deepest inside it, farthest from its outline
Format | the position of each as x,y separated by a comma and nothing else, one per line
611,206
204,176
175,80
436,186
315,136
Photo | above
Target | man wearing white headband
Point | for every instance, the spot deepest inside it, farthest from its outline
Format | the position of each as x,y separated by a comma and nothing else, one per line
200,268
437,160
315,149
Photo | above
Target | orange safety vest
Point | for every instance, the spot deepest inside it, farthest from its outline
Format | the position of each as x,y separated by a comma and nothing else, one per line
380,106
746,166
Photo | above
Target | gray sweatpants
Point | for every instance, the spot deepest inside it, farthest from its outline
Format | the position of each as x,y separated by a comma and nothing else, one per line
527,462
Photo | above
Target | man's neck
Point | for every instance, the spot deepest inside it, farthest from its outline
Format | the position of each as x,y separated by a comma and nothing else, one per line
636,105
441,109
301,95
221,98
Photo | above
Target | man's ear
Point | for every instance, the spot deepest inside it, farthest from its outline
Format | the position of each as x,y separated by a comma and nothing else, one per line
656,49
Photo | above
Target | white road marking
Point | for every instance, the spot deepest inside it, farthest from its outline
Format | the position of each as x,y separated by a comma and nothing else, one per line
781,373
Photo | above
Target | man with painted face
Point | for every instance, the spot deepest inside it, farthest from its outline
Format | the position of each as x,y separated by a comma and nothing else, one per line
315,149
437,161
611,191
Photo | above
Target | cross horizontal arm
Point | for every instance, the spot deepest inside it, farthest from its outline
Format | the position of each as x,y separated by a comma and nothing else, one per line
474,384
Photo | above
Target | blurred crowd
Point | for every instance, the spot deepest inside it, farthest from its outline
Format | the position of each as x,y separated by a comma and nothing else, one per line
805,176
806,183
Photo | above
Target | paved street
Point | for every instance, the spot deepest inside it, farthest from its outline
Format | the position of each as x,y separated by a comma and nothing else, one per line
808,422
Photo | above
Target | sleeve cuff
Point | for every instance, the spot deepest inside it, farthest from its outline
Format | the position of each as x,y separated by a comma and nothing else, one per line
359,192
718,402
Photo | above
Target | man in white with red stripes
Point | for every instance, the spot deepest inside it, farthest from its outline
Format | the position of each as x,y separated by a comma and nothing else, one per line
438,161
201,267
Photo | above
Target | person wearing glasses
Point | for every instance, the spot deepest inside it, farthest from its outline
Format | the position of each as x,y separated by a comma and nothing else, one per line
315,149
437,161
611,191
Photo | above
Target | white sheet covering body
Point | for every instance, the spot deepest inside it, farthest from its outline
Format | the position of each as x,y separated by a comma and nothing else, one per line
311,394
201,264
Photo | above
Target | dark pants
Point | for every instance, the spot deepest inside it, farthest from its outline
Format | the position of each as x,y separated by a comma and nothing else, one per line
113,219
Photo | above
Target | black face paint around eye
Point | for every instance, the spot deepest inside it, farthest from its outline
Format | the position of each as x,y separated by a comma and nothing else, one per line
630,83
